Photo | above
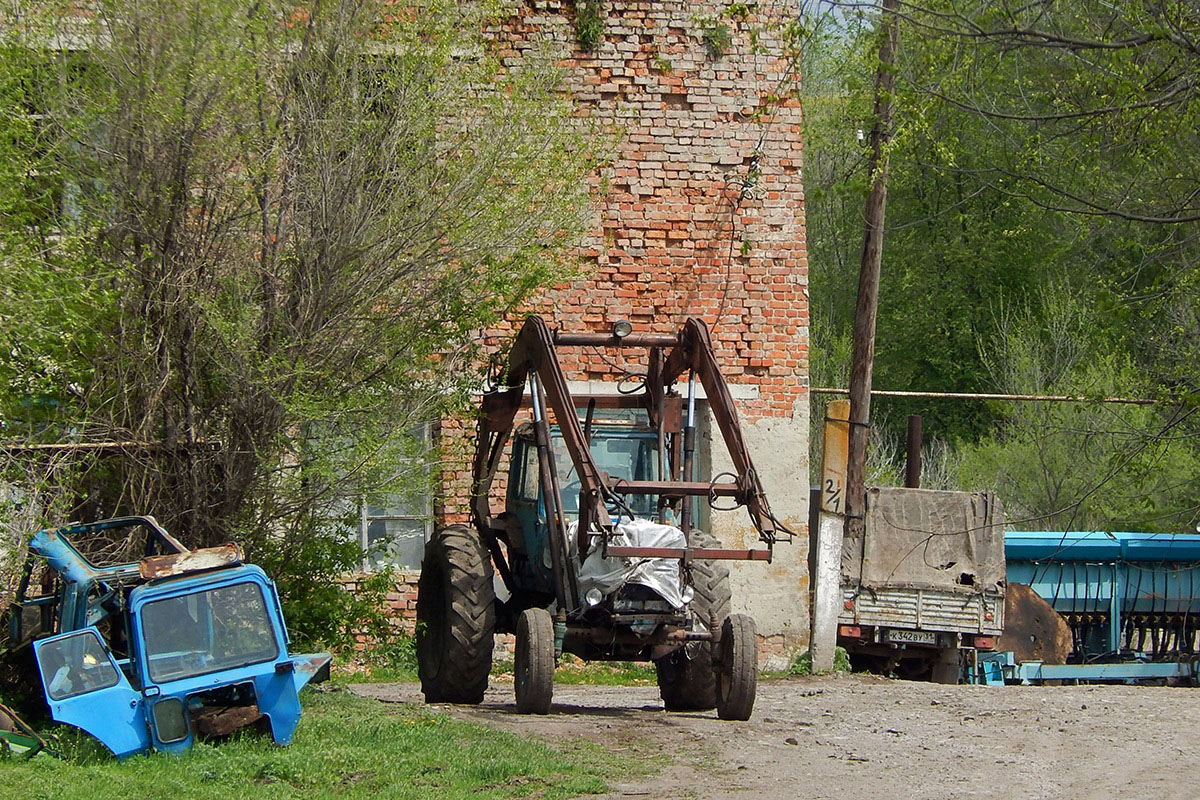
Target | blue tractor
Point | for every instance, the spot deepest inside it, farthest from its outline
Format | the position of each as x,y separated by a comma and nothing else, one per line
594,551
149,653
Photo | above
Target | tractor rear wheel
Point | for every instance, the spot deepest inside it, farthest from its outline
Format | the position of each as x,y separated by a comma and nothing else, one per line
456,616
737,669
533,666
686,680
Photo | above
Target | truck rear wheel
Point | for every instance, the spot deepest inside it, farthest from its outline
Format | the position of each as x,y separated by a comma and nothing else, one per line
534,663
947,666
456,616
737,669
686,680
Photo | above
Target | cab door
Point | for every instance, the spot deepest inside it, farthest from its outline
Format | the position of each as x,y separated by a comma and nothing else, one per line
85,688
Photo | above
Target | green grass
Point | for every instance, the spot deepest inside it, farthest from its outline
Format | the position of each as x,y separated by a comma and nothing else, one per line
396,662
347,747
571,671
802,665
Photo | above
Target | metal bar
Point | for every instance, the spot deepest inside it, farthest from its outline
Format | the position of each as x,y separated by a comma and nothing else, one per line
689,449
1114,610
657,403
1039,398
677,488
549,494
1037,671
683,552
608,340
610,636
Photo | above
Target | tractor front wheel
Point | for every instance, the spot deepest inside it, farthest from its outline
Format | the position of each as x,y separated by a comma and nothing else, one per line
534,662
456,617
737,668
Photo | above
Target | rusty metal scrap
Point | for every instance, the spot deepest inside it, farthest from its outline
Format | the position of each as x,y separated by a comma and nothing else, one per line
225,555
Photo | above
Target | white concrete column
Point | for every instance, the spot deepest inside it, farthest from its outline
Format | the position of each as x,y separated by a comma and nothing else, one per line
826,541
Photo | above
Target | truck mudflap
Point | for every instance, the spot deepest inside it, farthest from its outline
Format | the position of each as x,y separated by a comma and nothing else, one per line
86,689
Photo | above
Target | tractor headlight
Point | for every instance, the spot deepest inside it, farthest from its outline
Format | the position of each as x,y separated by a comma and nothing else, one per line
593,596
688,594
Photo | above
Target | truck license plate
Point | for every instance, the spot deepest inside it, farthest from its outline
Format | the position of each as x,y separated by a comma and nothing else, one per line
912,637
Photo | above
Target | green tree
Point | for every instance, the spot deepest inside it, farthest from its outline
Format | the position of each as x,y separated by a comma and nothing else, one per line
1035,145
1087,465
301,214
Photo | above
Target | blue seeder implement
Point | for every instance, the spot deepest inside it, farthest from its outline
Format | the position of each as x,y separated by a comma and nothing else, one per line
1130,599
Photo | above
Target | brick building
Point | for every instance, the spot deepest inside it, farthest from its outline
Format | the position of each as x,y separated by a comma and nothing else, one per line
701,213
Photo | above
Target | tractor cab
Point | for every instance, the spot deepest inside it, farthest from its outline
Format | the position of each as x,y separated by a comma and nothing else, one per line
623,446
149,653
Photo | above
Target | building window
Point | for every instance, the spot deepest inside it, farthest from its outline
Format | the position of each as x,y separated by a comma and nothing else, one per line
393,528
393,531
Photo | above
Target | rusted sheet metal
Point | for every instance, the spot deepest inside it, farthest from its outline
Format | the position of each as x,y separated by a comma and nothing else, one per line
1033,630
215,722
311,664
694,552
224,555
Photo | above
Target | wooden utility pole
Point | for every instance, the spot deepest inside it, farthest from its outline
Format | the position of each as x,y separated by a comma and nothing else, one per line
868,275
912,450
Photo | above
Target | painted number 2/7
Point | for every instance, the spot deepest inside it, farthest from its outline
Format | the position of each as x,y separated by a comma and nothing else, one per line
832,496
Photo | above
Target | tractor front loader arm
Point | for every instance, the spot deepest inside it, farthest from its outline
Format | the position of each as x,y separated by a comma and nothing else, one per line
533,353
695,353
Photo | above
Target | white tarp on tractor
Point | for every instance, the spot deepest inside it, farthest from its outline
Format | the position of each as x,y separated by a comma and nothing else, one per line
610,574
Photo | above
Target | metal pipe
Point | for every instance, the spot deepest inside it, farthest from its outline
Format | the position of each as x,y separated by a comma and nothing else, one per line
678,488
660,431
581,530
541,430
707,553
1038,398
689,447
611,636
608,340
912,466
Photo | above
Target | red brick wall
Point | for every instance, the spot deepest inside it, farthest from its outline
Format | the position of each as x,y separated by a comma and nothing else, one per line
700,213
677,232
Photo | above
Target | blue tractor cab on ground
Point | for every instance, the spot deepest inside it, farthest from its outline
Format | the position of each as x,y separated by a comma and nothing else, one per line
149,654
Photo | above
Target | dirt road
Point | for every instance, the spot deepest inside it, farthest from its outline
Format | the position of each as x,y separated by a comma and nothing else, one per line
865,737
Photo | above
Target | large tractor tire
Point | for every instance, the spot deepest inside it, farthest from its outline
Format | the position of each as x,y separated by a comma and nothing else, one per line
456,616
686,680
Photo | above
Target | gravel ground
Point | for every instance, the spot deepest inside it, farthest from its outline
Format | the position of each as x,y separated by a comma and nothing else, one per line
857,736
